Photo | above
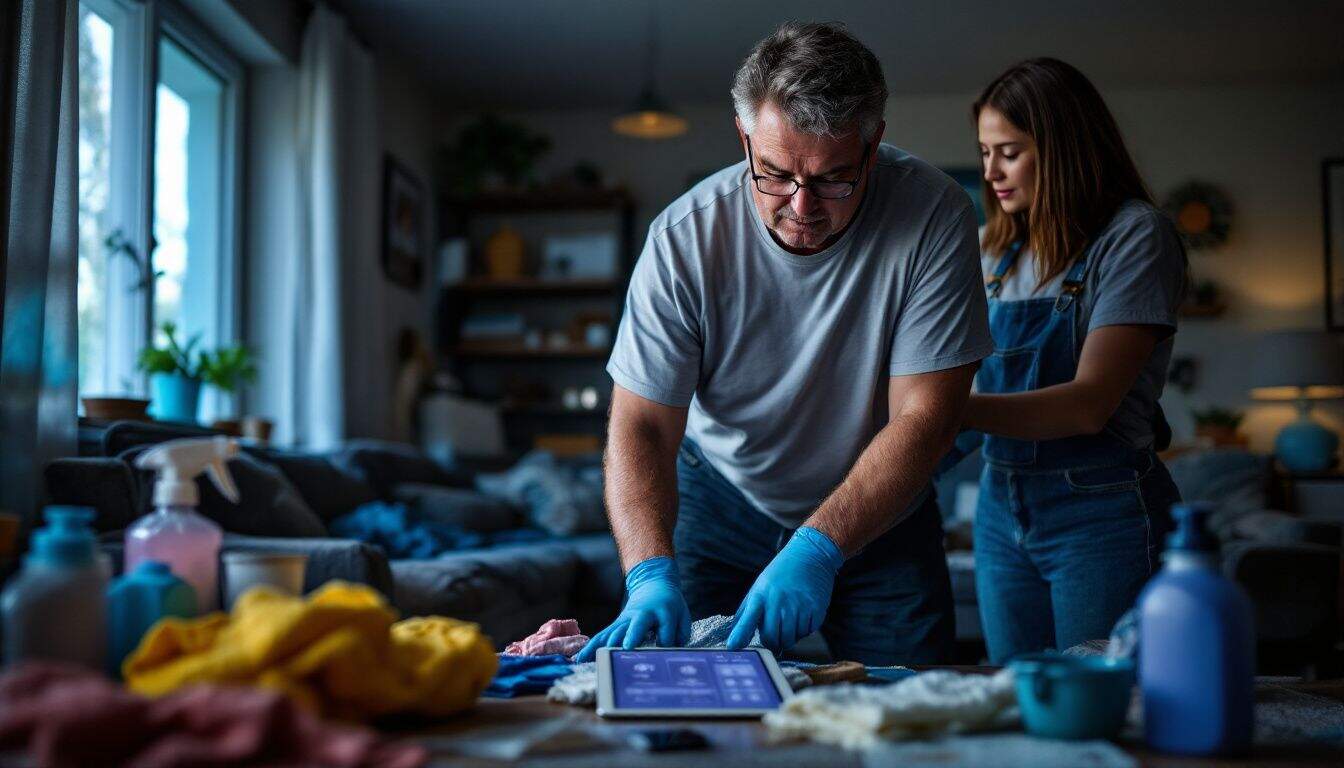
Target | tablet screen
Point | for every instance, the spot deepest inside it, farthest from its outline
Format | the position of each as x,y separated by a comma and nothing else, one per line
691,680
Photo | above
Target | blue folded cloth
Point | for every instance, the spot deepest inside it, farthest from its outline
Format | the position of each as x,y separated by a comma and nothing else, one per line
524,675
404,534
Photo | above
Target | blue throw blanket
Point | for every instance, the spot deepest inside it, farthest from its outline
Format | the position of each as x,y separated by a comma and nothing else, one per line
404,534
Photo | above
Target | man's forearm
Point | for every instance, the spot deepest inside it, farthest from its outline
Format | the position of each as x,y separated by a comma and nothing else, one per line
641,491
888,475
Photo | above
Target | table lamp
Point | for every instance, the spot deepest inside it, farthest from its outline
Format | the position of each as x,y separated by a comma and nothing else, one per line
1301,366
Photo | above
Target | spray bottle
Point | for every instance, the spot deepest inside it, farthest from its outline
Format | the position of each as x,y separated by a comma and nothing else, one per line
174,534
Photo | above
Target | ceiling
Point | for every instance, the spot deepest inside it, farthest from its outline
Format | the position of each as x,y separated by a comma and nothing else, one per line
592,53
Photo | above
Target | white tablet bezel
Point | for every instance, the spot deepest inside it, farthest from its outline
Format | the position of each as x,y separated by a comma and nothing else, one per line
606,692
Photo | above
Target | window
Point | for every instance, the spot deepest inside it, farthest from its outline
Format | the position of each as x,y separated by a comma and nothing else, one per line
159,110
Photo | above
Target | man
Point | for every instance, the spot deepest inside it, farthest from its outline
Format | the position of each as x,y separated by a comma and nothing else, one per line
799,340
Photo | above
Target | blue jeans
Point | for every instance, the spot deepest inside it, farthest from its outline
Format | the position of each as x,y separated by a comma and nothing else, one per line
892,602
1061,554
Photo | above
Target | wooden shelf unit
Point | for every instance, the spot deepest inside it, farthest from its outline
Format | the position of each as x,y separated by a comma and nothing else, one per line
487,366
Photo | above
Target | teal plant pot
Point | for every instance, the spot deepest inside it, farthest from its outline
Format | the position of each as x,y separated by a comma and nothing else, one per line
1073,697
174,397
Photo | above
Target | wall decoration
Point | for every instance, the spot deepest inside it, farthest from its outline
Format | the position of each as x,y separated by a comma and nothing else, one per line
1332,201
1201,212
970,180
403,225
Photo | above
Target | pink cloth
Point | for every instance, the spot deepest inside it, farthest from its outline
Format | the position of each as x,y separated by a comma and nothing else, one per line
64,716
555,636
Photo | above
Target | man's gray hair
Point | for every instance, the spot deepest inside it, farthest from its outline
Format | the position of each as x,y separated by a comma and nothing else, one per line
822,78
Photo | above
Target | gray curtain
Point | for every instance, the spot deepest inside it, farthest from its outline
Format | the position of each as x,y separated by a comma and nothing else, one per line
38,268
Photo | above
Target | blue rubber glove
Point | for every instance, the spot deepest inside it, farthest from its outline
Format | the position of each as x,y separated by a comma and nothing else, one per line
789,599
654,602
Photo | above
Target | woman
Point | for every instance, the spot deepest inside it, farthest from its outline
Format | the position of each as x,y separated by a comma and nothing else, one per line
1084,277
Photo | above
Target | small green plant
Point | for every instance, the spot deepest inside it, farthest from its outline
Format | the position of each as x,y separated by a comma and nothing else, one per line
224,368
1218,417
228,367
172,359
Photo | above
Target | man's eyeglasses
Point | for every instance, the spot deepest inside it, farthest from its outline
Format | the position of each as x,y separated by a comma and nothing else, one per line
827,190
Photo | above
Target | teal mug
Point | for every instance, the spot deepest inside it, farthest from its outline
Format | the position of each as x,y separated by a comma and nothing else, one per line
1073,697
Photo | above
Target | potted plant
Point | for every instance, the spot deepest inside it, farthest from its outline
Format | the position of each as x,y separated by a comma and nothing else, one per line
175,379
1219,426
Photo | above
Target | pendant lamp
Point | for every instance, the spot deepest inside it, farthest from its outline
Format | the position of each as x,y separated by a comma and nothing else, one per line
650,117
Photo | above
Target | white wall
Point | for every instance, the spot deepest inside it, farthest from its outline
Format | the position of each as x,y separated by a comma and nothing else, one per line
1261,144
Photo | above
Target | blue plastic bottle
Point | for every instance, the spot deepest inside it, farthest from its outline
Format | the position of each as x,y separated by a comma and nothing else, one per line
1196,647
137,600
54,609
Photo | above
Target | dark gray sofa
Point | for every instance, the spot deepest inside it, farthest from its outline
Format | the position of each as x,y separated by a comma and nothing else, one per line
288,498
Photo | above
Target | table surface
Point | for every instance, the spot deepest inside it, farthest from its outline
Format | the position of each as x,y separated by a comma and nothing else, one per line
748,742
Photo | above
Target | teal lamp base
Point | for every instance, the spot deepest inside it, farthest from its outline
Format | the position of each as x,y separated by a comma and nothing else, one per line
1305,446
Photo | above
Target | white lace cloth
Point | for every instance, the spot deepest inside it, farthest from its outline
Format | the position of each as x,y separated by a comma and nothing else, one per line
930,703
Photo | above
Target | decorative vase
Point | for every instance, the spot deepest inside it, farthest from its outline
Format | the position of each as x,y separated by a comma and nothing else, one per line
175,397
504,254
1305,446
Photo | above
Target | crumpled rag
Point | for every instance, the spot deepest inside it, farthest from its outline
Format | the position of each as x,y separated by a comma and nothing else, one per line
404,533
524,675
63,716
928,704
340,652
560,636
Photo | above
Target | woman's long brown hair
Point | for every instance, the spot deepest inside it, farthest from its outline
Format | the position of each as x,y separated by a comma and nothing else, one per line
1083,171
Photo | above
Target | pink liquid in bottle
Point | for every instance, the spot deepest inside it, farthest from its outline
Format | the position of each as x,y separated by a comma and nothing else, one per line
184,540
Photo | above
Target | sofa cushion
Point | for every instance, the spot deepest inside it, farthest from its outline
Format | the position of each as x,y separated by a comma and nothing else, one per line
383,465
509,591
269,505
106,485
462,507
328,489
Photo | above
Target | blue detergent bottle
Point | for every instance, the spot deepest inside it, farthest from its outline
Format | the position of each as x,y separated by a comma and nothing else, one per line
139,599
1196,647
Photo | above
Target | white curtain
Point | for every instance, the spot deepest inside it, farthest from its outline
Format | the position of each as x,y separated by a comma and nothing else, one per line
334,317
38,363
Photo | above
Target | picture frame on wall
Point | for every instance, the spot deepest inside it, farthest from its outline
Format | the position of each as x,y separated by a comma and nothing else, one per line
1332,210
404,218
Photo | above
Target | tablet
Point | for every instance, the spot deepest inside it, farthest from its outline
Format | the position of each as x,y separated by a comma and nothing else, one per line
688,682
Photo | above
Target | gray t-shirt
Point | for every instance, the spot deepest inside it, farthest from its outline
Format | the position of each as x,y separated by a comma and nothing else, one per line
1135,276
783,359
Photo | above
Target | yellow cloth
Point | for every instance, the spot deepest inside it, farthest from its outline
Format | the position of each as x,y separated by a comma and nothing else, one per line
338,652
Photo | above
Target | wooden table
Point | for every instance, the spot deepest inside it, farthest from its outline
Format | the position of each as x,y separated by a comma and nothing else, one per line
744,743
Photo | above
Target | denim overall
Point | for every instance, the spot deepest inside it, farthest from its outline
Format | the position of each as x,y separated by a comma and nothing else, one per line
1068,530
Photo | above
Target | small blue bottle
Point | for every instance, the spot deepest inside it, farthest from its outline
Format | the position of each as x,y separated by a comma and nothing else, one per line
1196,647
137,600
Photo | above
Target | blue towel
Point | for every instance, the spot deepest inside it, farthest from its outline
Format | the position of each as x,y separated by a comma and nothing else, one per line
524,675
404,534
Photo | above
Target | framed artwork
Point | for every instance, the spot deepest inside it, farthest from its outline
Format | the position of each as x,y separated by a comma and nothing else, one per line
970,180
404,237
1332,202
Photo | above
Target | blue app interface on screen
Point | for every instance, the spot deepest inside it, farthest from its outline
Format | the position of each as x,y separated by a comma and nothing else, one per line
691,680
